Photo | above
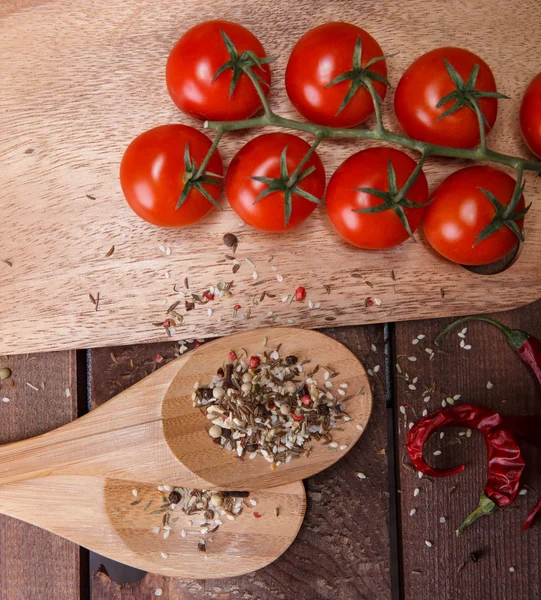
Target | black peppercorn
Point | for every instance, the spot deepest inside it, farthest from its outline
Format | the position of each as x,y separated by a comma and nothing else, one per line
230,240
174,497
291,360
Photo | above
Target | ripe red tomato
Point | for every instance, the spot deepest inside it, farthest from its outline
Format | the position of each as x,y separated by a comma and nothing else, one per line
193,63
460,210
530,116
260,158
152,175
369,169
321,55
426,81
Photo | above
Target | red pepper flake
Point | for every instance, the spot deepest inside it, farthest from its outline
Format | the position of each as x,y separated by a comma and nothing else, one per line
198,343
167,323
237,307
300,294
232,355
297,417
208,295
254,362
271,405
257,515
369,302
158,358
306,400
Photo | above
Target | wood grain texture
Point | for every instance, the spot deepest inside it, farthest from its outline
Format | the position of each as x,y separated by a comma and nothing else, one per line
342,550
99,514
153,432
99,82
498,539
35,564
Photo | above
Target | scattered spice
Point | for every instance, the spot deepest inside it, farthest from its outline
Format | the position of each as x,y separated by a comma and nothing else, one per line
110,252
212,506
300,294
231,241
266,405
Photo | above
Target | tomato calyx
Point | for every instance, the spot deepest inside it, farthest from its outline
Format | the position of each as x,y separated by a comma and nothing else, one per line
360,76
465,93
505,214
241,63
395,198
193,179
287,184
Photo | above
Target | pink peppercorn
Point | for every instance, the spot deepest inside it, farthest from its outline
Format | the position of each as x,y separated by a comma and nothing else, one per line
254,362
300,294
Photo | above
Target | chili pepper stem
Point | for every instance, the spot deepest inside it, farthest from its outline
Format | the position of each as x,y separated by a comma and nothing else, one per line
515,337
486,507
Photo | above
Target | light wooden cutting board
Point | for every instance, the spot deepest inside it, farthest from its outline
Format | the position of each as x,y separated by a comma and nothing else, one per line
81,79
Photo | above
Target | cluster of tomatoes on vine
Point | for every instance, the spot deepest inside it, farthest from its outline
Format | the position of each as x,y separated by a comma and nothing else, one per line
336,78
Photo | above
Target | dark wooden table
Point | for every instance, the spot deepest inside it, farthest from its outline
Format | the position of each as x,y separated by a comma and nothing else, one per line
358,540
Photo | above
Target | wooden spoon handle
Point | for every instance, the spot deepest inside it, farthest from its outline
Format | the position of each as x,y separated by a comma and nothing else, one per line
122,439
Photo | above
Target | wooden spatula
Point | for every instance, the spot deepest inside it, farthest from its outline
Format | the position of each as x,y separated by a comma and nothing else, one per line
151,432
104,516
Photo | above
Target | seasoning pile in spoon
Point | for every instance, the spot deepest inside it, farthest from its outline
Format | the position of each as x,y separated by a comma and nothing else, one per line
272,405
214,507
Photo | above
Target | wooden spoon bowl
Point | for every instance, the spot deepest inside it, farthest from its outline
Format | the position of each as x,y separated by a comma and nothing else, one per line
103,515
152,432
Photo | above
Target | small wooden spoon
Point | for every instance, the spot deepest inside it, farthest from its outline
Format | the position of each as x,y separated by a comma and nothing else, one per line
151,432
100,514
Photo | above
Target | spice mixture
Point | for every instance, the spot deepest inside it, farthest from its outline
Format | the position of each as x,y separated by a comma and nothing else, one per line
213,506
272,405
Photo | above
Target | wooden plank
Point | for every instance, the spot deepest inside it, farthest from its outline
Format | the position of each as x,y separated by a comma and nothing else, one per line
61,161
342,550
498,540
37,565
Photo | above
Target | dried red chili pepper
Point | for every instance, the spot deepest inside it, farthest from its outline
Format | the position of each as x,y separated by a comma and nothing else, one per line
470,415
505,462
525,345
529,429
536,510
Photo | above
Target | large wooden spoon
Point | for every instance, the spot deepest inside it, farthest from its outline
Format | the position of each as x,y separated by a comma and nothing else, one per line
151,432
104,516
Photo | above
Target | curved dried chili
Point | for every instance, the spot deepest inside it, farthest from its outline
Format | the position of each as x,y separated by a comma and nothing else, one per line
524,344
505,462
470,415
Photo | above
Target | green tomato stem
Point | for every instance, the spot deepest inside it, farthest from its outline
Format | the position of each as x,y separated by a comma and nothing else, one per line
480,120
376,101
293,178
385,136
219,133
